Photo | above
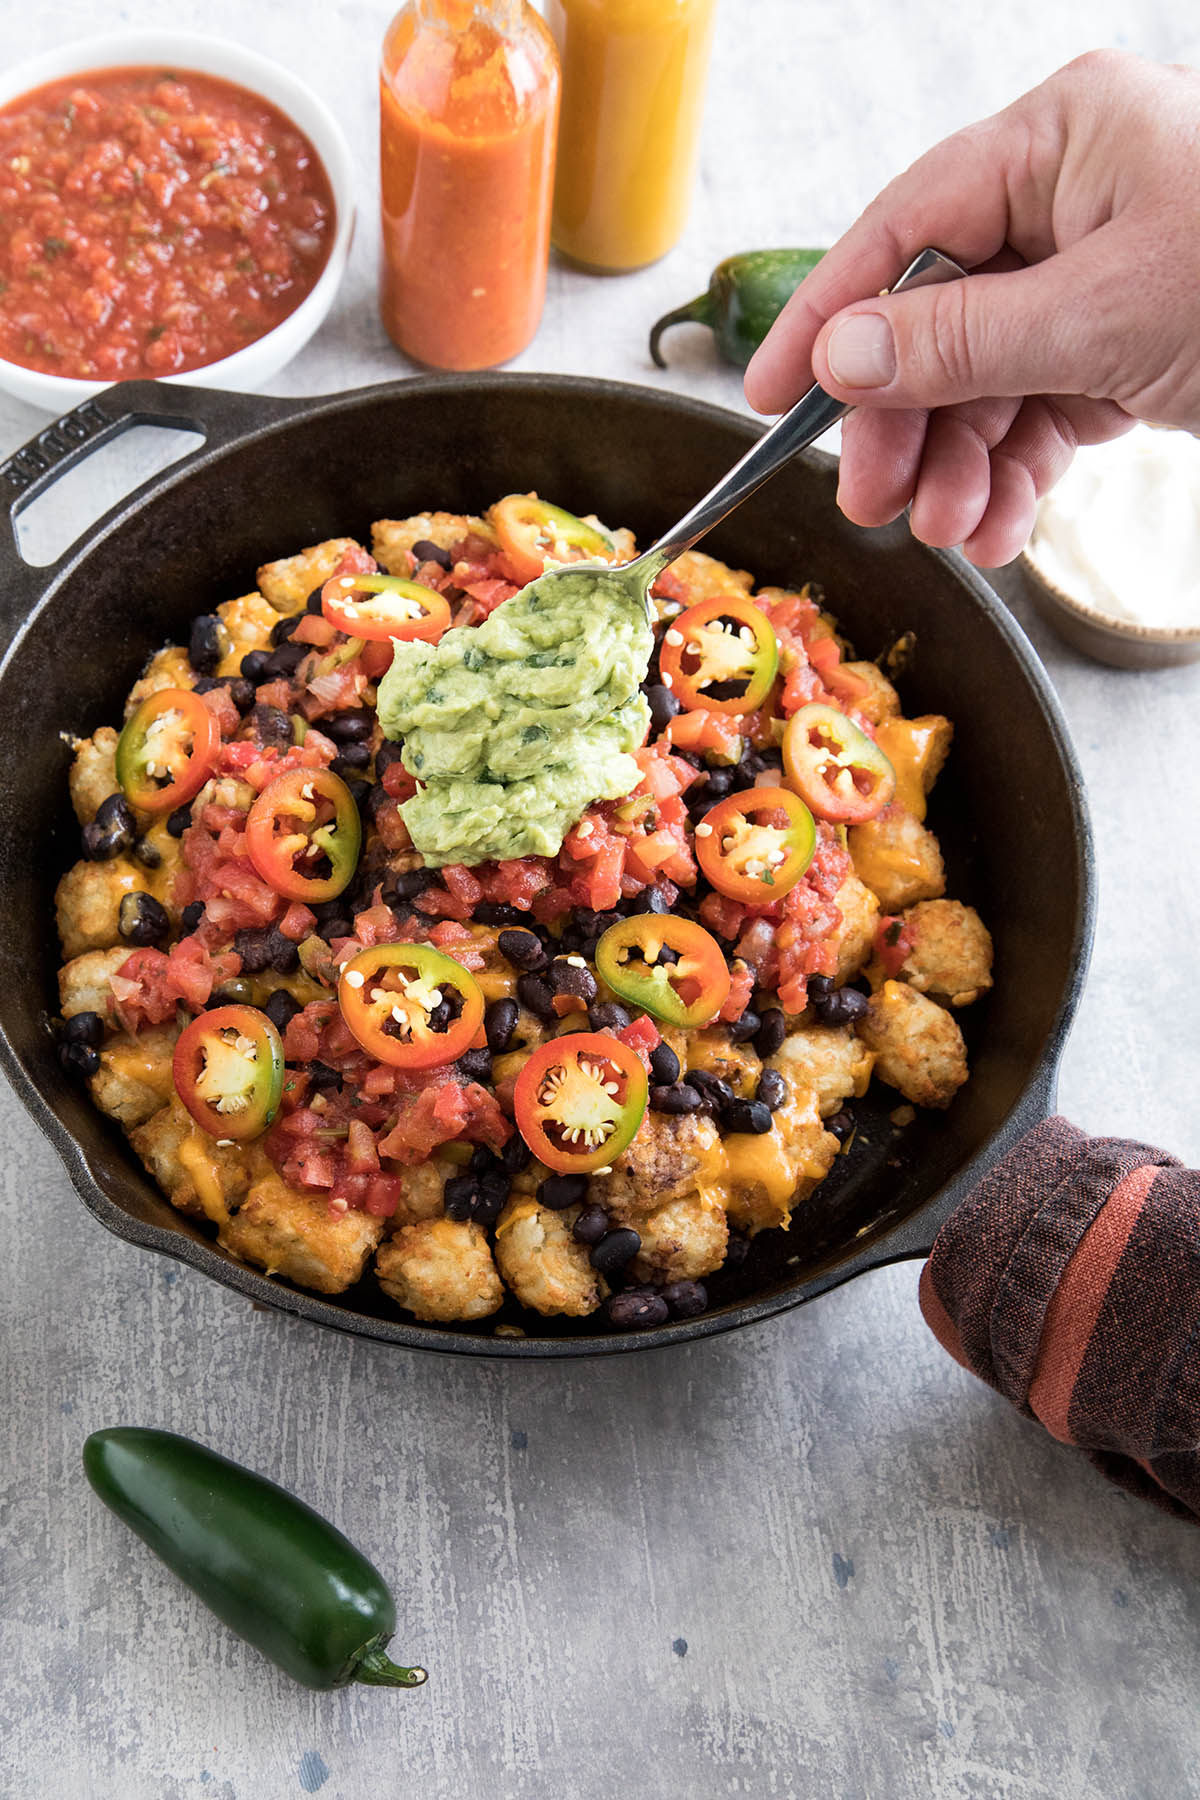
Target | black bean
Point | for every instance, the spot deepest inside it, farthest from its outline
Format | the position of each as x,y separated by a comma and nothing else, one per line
230,993
282,629
771,1032
678,1098
352,757
254,948
685,1299
115,815
321,1077
340,926
843,1007
772,1089
142,920
483,1160
663,706
83,1028
79,1059
285,952
664,1065
281,1009
650,900
459,1196
241,692
591,924
499,1022
406,884
516,1155
615,1249
635,1309
497,912
313,603
820,988
566,977
718,784
179,820
147,854
253,664
716,1094
284,662
425,550
523,949
442,1016
558,1191
748,1026
841,1124
100,845
736,1251
608,1016
349,727
387,754
207,643
191,916
591,1225
376,797
476,1065
270,725
535,994
494,1185
358,789
747,1116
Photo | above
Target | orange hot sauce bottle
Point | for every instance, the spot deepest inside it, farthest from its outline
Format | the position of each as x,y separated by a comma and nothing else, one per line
633,93
469,98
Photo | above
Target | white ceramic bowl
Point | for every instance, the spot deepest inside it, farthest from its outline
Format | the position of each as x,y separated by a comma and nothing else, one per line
185,50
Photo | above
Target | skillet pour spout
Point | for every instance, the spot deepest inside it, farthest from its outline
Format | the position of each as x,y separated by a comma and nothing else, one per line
274,474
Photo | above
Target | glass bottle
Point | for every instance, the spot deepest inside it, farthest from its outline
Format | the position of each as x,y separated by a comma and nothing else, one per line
633,95
469,98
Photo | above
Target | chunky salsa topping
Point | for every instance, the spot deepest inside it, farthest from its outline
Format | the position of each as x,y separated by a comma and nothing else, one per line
152,221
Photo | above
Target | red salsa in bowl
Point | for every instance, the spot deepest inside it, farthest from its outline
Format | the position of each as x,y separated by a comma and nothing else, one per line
152,222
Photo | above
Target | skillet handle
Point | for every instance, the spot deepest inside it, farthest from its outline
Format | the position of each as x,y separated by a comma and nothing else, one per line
914,1238
220,417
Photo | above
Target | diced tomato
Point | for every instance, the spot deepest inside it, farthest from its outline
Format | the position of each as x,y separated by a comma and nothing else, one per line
297,922
150,983
392,831
354,560
893,943
220,705
515,882
740,989
699,731
488,591
722,915
397,783
670,585
302,1039
376,925
376,657
642,1035
315,630
644,856
663,775
440,1115
275,693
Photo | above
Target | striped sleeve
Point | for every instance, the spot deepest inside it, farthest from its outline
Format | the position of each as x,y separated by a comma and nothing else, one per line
1070,1281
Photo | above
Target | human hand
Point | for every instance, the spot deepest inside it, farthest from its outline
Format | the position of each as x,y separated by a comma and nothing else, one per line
1078,205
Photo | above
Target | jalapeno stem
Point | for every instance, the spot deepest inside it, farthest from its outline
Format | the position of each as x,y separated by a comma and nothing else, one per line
378,1670
697,312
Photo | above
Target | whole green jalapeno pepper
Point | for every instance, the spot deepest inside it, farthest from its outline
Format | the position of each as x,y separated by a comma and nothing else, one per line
746,294
270,1567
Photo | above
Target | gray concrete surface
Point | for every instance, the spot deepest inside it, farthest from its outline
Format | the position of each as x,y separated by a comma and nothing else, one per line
815,1559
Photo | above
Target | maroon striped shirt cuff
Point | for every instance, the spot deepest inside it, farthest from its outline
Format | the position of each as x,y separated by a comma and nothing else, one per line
1070,1281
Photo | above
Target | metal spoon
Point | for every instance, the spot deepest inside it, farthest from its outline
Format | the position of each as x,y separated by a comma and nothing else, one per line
813,414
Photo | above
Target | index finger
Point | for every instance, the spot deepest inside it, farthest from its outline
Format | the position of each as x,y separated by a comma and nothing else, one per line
957,198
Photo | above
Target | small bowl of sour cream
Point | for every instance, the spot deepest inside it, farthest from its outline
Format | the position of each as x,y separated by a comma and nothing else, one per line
1115,554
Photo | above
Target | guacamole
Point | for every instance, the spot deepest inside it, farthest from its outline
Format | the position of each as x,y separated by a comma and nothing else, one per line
515,726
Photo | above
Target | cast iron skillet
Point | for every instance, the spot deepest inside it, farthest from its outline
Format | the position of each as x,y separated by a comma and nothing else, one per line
275,475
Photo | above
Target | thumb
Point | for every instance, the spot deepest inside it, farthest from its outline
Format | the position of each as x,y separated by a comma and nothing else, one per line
1028,331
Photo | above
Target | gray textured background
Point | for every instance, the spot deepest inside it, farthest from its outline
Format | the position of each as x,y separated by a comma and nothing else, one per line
815,1559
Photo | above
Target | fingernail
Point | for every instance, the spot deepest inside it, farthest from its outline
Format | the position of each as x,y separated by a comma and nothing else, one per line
861,351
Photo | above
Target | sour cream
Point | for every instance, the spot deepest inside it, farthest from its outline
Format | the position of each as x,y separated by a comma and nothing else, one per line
1121,530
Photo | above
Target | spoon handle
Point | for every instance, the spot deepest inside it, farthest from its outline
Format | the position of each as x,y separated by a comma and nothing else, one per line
812,414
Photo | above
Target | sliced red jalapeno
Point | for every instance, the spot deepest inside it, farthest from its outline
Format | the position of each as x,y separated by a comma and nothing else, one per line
167,750
670,967
229,1071
384,606
410,1005
303,834
579,1100
756,845
721,655
533,534
834,767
